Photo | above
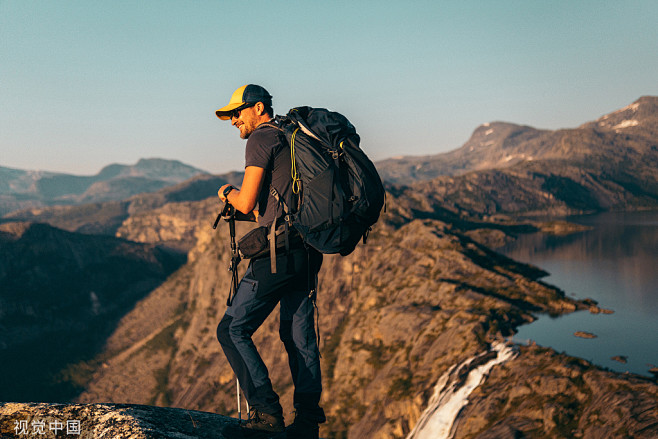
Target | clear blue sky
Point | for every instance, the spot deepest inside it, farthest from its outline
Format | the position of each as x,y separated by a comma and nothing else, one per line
87,83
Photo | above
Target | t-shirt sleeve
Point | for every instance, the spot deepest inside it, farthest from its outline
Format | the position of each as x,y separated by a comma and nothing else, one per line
260,147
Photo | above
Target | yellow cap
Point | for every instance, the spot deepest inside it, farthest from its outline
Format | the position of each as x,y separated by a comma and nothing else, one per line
247,94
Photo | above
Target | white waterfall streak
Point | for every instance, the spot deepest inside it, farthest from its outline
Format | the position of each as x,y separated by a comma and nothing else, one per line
451,394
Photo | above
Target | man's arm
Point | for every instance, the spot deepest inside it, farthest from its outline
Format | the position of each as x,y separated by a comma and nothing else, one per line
244,199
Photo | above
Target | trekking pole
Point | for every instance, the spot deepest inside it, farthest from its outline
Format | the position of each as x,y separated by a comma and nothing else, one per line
237,387
228,213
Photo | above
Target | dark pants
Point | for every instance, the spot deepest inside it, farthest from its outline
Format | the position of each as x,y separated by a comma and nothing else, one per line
257,296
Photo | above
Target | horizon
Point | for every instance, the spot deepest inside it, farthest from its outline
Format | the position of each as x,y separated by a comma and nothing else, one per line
398,157
87,85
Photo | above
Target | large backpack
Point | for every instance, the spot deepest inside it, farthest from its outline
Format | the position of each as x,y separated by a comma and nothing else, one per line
337,192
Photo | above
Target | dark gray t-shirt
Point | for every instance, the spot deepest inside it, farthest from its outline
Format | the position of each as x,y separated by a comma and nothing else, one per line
266,150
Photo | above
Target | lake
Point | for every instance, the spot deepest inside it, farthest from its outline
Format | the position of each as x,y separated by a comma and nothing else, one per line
616,264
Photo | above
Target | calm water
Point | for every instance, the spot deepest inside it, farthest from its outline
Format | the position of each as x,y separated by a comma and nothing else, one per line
615,264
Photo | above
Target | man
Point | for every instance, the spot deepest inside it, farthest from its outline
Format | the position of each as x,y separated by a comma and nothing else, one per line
267,164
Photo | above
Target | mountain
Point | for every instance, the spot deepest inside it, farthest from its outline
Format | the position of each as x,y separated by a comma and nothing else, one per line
492,145
608,164
28,189
61,295
500,145
107,217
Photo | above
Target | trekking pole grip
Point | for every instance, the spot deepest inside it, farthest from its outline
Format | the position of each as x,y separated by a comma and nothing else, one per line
219,216
228,213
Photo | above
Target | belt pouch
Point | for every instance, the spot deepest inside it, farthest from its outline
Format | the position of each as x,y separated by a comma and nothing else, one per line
254,243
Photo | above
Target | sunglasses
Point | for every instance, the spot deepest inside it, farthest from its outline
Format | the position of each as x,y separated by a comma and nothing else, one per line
236,113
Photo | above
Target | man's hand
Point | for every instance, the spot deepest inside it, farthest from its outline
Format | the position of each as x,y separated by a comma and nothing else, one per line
220,192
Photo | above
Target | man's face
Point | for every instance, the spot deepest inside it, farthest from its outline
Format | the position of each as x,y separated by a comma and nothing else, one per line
246,122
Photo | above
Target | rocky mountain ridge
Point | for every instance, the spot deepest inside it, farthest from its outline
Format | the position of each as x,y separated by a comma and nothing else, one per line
608,164
628,135
21,189
107,217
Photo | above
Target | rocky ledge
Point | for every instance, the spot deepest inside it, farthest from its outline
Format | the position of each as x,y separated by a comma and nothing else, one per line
111,421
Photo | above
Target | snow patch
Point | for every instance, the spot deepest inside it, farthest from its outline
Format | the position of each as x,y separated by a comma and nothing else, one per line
507,158
486,133
626,124
486,124
451,395
632,107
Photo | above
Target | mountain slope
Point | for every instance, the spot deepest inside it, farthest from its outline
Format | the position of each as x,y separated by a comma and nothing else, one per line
61,295
107,217
608,164
394,317
628,134
24,189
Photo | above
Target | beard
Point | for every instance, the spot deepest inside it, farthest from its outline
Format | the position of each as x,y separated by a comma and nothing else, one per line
246,129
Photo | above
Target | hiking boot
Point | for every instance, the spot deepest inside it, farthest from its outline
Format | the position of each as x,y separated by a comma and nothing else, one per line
305,425
259,425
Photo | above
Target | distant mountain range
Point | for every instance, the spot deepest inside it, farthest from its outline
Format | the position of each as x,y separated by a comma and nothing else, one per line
21,189
504,168
500,145
608,164
105,218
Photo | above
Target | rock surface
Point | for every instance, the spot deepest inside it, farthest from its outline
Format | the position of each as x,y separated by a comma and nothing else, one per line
543,394
107,421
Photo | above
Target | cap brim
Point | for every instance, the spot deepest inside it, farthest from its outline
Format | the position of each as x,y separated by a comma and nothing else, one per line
224,112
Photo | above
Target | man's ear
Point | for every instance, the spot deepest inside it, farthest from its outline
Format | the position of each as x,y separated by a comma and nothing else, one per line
260,108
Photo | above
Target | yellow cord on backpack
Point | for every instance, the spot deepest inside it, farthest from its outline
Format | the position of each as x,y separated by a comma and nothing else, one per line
293,171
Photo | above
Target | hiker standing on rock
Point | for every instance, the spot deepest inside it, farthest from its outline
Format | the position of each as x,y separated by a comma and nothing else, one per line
289,280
